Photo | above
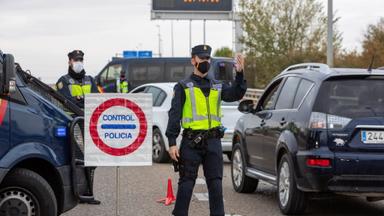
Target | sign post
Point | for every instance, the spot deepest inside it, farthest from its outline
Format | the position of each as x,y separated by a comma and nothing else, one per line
118,132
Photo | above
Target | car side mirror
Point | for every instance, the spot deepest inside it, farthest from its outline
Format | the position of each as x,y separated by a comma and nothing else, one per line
246,106
8,75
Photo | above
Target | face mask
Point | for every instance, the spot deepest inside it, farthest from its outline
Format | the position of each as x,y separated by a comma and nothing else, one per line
203,67
77,67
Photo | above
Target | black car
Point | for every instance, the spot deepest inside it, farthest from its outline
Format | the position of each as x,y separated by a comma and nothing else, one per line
315,129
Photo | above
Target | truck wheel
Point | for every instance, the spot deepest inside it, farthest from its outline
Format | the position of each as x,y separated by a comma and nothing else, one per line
159,152
25,193
291,199
241,183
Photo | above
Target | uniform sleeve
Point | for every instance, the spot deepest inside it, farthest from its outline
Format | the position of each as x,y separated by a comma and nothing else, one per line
175,115
62,88
94,88
236,91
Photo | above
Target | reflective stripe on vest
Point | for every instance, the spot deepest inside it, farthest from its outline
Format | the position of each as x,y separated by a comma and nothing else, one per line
200,112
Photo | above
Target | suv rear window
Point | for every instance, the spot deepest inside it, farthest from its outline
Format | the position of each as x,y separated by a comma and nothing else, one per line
352,98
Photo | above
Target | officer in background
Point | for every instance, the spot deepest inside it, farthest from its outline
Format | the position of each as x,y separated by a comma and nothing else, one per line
122,83
75,84
196,104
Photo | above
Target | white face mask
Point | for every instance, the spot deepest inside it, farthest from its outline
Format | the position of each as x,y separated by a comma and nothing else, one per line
78,66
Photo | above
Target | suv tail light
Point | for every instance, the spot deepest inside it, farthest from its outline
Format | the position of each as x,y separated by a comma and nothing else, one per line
318,162
326,121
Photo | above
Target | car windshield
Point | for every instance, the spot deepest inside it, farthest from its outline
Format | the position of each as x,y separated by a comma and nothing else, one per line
352,98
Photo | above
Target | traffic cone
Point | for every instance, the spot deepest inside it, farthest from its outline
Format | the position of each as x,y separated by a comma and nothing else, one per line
170,197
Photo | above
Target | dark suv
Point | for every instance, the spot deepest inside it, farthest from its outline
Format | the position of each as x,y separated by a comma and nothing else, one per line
315,129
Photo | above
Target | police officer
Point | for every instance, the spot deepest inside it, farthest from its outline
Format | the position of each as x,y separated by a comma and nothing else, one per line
196,104
75,84
122,83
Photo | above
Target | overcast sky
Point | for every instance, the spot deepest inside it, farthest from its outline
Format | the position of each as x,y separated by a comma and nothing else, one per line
40,33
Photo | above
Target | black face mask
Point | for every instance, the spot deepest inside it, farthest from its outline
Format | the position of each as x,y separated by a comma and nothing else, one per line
203,67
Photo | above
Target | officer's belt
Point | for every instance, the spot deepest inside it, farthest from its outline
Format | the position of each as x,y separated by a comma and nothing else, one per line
211,133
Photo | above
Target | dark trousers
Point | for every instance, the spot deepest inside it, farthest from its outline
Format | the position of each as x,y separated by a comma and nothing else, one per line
212,159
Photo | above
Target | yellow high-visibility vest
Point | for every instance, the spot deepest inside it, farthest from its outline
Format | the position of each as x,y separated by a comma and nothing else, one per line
78,89
200,112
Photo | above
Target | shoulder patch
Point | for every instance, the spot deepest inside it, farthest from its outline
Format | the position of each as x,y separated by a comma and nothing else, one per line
189,85
60,85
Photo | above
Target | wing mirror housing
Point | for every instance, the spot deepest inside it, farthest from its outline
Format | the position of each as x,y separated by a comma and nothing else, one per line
246,106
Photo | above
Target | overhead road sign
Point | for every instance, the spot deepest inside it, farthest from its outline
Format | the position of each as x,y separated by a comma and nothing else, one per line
192,9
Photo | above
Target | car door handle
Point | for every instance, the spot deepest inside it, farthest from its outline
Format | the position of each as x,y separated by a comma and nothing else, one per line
283,121
262,123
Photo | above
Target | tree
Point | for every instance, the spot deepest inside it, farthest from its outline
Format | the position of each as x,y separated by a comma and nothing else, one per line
224,52
281,33
373,45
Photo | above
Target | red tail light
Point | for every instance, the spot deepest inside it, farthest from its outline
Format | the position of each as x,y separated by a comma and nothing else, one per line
318,162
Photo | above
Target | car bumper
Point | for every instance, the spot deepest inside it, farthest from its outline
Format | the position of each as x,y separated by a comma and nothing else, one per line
338,178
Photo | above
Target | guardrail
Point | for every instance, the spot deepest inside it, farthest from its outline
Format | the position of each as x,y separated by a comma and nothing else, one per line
253,94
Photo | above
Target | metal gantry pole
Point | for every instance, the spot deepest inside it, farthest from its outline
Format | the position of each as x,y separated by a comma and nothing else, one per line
204,41
330,34
172,39
159,35
190,36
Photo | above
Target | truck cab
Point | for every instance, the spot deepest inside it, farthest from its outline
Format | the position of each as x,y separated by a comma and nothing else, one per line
42,171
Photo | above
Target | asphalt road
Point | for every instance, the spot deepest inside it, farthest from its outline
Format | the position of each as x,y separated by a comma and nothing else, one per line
140,187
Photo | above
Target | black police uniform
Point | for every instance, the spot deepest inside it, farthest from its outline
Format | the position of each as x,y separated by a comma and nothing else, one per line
211,156
62,86
72,77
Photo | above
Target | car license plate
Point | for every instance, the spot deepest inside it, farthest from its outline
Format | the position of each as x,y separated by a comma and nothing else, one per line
372,137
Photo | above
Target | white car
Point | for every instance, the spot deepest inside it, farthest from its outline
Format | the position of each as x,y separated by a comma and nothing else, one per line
162,96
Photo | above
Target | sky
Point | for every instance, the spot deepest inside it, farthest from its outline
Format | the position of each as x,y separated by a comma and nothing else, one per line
40,33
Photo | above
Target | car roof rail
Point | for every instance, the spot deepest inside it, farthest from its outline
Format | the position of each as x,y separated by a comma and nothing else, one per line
317,66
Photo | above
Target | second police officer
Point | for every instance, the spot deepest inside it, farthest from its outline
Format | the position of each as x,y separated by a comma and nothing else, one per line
76,84
196,105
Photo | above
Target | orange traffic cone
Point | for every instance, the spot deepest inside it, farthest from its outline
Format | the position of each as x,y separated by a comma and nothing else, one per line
170,197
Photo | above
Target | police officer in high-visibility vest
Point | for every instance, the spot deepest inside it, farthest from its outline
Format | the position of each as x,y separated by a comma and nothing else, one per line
122,83
196,104
75,84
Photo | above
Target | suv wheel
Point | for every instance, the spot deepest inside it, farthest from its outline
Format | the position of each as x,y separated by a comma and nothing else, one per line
291,200
24,192
241,183
159,152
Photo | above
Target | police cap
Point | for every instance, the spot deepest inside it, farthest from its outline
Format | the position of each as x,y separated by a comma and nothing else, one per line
201,51
76,55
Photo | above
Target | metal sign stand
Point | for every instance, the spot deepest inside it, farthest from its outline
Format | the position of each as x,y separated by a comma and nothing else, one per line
117,190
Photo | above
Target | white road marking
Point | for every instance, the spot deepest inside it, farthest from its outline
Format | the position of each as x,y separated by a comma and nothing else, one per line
202,196
200,181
